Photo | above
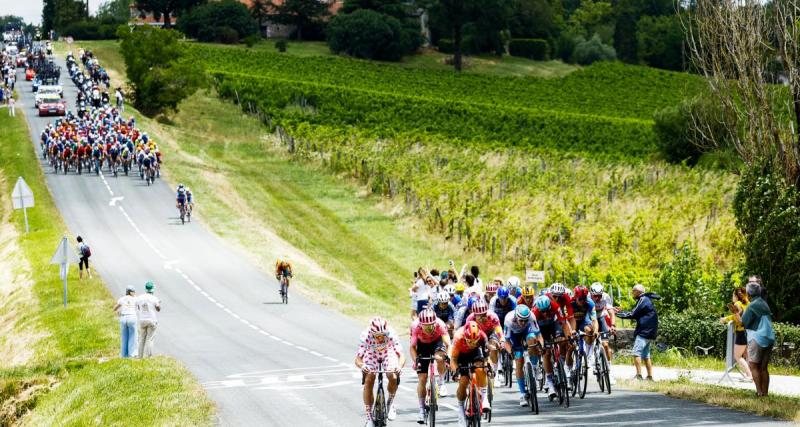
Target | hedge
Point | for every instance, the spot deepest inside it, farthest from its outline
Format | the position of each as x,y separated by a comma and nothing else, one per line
537,49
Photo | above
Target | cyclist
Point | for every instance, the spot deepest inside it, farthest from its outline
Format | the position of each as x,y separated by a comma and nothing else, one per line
606,317
445,311
469,347
514,288
283,271
459,296
429,338
585,320
379,349
491,290
502,303
180,201
527,297
561,295
189,199
464,310
552,324
522,332
491,326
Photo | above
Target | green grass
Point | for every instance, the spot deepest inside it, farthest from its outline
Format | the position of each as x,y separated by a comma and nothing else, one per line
783,407
675,360
70,344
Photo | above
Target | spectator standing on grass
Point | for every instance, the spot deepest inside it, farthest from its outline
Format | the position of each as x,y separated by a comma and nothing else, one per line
646,329
84,252
120,100
757,320
126,309
737,309
12,105
147,306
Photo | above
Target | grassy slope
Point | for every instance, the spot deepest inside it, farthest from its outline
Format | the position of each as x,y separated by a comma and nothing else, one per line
73,344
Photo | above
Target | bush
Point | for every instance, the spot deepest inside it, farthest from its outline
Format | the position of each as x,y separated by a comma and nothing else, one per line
592,50
766,209
281,45
91,30
672,126
683,284
566,46
251,40
537,49
446,46
366,34
225,21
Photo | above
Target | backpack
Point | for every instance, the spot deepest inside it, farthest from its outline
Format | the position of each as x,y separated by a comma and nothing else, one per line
85,251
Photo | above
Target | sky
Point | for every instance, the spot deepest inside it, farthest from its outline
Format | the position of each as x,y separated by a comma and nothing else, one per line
31,10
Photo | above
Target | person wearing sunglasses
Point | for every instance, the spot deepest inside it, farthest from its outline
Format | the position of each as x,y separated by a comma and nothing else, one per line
429,338
379,350
469,348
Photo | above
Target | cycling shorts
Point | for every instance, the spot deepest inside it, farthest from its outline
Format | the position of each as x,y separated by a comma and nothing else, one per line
550,331
428,350
383,362
519,342
580,326
464,360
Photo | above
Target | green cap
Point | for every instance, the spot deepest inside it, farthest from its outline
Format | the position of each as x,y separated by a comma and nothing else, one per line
149,287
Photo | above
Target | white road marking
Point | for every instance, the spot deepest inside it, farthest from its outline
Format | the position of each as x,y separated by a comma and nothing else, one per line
114,200
168,264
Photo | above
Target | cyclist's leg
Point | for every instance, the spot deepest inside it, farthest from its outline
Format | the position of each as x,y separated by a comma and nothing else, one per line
369,384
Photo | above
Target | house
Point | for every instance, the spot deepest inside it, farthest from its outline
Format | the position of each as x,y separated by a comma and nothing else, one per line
140,17
273,29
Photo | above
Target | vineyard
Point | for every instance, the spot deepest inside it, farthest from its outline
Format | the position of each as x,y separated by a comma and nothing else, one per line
556,173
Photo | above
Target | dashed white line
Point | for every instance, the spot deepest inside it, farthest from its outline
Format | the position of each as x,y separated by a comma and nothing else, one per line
316,353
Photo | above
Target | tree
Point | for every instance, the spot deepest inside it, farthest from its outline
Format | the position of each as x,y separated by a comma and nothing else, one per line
593,17
626,17
166,9
159,72
366,34
303,14
224,21
660,42
115,10
57,14
533,19
259,10
411,33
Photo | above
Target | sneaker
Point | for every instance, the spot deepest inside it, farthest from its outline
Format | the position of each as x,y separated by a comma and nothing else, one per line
551,387
649,378
443,390
392,413
523,400
462,419
498,381
369,423
638,377
485,403
421,417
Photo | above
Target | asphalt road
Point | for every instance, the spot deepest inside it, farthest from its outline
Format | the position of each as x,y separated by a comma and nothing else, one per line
262,362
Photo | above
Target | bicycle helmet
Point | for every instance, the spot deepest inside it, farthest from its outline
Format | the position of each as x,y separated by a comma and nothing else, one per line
472,332
492,287
557,289
427,317
513,282
450,289
528,291
596,288
460,287
378,326
443,298
502,293
522,313
580,292
543,303
479,307
471,302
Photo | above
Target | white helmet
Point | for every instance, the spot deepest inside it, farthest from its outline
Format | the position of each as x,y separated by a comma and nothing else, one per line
596,288
450,289
513,282
443,297
558,289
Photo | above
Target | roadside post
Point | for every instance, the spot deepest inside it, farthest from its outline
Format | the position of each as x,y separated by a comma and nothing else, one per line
64,256
534,276
730,363
22,198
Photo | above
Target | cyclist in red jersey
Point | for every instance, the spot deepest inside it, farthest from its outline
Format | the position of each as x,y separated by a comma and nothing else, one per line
552,324
469,347
491,326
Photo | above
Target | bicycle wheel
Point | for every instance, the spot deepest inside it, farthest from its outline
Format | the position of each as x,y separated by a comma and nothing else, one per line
605,372
433,394
379,408
530,383
573,378
490,396
508,370
540,374
476,406
583,375
563,384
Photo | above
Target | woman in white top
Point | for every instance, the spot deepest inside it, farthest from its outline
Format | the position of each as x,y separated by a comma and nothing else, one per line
126,308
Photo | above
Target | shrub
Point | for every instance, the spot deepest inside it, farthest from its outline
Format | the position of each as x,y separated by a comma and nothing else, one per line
683,284
672,126
281,45
366,34
251,40
537,49
91,30
566,46
445,46
592,50
218,21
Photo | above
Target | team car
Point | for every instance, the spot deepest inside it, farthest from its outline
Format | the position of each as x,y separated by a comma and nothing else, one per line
46,91
30,74
52,105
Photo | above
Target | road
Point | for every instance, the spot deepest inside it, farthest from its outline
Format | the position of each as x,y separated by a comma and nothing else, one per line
262,362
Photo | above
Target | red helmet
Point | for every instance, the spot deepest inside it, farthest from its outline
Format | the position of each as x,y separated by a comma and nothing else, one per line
580,292
427,317
492,287
472,332
480,307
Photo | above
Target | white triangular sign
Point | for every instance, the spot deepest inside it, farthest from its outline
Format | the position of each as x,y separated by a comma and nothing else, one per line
22,196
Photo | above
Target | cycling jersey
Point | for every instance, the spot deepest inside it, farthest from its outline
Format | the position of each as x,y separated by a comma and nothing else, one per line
601,307
529,304
446,314
501,307
462,346
489,324
565,302
549,316
181,197
517,334
420,335
461,314
283,268
380,354
584,312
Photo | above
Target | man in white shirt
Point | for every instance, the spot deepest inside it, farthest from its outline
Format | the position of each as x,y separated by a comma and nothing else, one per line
147,306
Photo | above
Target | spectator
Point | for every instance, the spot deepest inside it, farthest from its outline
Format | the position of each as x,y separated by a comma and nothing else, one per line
126,308
120,100
757,320
12,105
646,329
85,253
737,308
146,307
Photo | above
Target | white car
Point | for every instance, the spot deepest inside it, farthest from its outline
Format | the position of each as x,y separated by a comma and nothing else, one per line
11,50
46,92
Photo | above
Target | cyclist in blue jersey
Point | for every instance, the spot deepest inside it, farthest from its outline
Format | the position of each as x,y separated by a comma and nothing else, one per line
502,303
445,310
522,333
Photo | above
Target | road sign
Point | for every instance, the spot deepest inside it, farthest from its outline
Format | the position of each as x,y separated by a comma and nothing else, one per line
22,198
64,256
534,276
